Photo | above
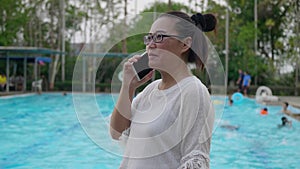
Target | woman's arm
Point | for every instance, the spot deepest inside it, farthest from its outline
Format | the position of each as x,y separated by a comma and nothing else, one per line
121,115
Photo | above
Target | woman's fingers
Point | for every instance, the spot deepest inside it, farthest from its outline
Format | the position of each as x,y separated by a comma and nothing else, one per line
129,76
147,77
128,65
135,58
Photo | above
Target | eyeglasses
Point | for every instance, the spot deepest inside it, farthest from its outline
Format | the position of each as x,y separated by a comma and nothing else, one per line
157,38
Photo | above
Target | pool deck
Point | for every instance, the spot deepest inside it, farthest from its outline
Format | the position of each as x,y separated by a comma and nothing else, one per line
12,93
292,100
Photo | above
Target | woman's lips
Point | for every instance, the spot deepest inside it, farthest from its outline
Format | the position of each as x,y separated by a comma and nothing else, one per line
152,55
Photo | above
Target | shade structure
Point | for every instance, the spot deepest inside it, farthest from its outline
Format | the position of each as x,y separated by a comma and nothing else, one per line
27,55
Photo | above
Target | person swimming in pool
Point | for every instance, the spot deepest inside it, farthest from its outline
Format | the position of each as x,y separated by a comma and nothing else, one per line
230,102
264,111
230,127
290,110
285,123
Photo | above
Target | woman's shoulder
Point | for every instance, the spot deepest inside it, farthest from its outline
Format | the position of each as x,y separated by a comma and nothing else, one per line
193,86
193,82
151,86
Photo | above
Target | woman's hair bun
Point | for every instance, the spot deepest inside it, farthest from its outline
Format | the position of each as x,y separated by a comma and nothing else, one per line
206,22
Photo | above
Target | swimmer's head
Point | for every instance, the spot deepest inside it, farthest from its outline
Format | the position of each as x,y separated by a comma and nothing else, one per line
284,120
285,105
230,101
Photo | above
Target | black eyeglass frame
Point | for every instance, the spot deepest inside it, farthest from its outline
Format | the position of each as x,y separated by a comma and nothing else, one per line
155,39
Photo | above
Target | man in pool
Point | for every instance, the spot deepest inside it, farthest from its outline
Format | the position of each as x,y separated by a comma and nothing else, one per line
285,123
290,110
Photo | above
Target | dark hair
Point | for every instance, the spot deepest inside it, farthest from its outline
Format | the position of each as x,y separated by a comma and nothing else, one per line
286,103
284,120
265,109
198,52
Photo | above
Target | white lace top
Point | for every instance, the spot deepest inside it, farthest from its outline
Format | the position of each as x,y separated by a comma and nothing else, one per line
170,128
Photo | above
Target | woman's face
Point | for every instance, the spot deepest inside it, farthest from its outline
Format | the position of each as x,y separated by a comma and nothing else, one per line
284,106
166,54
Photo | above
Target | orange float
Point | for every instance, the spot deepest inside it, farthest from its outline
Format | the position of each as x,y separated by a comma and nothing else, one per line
264,111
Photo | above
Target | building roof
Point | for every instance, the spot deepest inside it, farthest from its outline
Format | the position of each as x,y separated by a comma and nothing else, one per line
27,50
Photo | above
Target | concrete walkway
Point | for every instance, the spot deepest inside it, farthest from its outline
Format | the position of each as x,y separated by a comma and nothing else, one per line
12,93
292,100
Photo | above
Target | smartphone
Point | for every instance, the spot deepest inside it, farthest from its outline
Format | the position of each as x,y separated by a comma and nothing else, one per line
141,67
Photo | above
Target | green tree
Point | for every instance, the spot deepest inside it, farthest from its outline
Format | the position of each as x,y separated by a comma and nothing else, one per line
274,19
13,18
135,43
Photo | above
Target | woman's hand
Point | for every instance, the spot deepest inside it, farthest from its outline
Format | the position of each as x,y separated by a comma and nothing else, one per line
129,78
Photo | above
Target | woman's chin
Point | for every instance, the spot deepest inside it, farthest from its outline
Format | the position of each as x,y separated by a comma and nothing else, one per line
152,64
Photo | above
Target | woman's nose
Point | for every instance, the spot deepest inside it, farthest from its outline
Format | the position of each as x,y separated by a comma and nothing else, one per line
151,44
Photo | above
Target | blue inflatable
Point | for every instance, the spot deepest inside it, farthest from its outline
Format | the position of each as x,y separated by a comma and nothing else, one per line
237,97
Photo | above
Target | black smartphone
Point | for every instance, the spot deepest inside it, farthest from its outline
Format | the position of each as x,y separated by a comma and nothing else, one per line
141,67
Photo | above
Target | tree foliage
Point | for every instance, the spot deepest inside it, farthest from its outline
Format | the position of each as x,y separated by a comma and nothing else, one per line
38,23
273,34
13,18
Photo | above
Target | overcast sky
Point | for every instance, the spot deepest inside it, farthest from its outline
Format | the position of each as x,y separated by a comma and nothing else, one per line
137,6
142,4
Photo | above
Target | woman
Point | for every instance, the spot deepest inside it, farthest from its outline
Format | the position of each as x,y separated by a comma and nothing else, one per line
169,124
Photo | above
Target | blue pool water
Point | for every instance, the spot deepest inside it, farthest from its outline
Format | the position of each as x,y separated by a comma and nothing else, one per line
258,143
43,131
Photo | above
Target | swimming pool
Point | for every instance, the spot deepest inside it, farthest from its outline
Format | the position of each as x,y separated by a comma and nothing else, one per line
42,131
258,143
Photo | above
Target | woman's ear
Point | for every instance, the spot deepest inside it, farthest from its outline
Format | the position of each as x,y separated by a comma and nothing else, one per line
187,44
